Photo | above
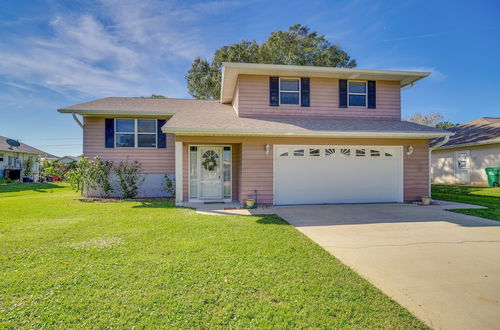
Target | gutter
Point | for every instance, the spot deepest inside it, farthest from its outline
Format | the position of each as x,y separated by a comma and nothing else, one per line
437,145
282,133
75,118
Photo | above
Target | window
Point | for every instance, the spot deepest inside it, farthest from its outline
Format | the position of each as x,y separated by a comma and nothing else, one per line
1,157
227,172
132,133
314,152
193,172
345,152
360,152
298,152
290,91
329,152
283,152
357,93
374,153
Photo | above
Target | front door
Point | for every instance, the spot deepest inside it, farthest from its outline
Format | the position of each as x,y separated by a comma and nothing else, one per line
210,183
462,167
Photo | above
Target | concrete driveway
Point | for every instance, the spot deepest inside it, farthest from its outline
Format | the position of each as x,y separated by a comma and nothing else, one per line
442,266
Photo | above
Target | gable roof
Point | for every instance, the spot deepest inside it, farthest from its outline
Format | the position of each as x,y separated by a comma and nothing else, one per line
485,130
202,117
230,72
4,146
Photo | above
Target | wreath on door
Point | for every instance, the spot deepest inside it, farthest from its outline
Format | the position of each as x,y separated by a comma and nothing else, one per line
209,162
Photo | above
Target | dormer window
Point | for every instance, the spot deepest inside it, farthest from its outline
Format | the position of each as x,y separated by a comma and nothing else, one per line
357,93
290,91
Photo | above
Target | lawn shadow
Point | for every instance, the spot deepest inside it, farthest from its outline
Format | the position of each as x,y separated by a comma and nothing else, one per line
38,187
143,203
271,219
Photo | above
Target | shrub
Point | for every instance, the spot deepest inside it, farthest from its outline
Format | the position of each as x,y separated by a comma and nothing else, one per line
169,185
91,174
129,178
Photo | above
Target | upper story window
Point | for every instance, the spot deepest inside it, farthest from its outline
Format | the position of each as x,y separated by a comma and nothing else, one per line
357,93
135,133
290,91
1,157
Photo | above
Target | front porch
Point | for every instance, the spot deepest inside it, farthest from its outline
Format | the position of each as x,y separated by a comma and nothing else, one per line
207,172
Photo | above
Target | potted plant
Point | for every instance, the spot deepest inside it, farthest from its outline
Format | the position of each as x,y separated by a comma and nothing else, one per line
426,200
250,203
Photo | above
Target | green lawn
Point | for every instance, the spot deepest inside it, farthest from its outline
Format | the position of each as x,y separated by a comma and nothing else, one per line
69,263
489,197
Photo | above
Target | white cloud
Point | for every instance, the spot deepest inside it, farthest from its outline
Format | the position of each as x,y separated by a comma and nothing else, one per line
119,47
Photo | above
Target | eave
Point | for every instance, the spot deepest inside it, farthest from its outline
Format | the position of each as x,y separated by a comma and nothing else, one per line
121,113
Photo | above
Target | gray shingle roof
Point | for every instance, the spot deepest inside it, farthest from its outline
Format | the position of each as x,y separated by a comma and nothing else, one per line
213,116
480,131
4,146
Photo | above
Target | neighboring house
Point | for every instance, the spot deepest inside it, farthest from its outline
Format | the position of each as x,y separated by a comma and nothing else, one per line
69,159
474,147
282,134
13,158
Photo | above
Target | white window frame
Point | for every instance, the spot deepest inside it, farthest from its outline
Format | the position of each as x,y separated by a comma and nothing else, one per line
298,91
136,133
365,94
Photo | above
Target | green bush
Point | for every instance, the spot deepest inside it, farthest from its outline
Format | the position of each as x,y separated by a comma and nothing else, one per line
129,178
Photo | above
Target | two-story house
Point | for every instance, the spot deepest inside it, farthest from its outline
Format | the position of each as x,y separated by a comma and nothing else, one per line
282,134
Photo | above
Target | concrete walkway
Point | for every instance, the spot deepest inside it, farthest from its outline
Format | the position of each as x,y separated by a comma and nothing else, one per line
442,266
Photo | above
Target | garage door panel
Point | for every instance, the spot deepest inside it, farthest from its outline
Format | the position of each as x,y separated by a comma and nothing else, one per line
315,180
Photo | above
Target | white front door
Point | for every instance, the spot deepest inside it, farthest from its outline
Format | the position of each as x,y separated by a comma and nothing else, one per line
318,174
210,183
462,167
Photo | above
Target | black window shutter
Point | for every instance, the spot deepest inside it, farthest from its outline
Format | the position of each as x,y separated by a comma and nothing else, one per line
162,137
342,93
109,132
305,92
274,91
372,94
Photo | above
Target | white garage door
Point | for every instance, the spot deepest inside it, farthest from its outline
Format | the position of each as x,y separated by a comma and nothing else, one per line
337,174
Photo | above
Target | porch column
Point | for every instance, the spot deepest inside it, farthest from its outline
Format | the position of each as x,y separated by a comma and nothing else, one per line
178,173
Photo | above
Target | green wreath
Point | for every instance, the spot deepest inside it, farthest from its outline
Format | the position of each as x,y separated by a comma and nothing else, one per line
209,162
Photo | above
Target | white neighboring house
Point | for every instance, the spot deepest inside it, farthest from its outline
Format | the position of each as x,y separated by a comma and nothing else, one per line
463,159
13,158
69,159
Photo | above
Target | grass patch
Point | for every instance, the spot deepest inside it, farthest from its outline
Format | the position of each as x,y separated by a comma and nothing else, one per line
484,196
70,264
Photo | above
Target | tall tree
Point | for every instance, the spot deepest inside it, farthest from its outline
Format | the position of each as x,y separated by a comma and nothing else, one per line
430,119
295,46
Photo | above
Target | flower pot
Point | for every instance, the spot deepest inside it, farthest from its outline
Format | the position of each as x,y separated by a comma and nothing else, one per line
426,200
250,202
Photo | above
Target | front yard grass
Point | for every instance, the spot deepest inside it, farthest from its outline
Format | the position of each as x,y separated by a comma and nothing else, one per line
484,196
70,263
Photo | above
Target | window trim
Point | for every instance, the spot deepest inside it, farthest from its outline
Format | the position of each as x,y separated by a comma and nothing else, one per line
365,94
299,91
136,133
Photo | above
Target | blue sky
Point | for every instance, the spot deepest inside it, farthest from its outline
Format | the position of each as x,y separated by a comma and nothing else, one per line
58,53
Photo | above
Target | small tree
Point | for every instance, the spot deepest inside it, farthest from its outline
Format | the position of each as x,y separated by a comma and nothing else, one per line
129,178
56,168
28,167
445,125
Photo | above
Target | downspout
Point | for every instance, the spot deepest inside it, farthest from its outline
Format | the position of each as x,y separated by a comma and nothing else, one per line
439,144
76,119
407,87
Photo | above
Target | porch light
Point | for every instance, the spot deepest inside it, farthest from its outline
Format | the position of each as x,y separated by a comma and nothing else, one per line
267,148
409,150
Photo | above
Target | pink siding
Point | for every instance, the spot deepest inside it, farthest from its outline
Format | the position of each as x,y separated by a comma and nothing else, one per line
256,168
253,100
152,160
